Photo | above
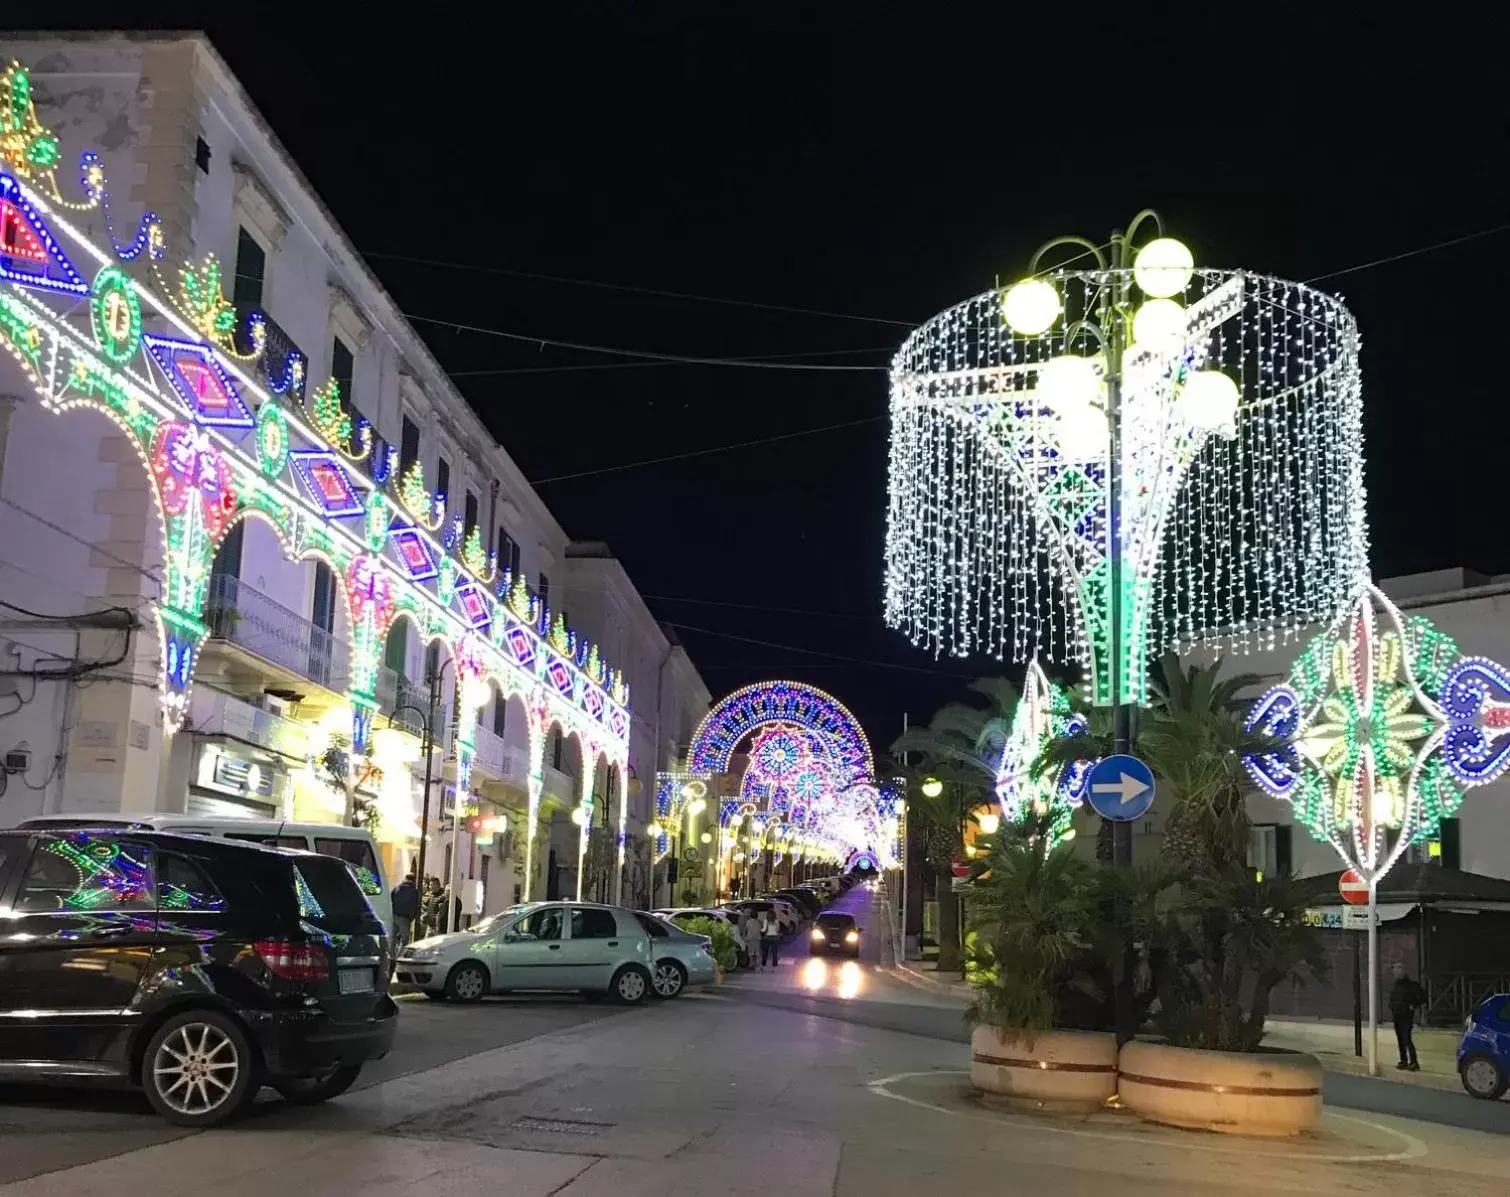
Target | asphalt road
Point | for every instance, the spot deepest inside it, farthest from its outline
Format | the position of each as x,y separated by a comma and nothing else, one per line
67,1127
882,1001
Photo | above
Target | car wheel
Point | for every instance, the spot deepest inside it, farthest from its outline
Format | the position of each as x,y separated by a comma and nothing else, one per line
312,1090
198,1069
467,982
630,985
670,977
1483,1077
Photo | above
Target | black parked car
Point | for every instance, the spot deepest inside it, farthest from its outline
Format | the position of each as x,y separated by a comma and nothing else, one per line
199,969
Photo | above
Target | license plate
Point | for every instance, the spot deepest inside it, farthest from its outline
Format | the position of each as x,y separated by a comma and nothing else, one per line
357,980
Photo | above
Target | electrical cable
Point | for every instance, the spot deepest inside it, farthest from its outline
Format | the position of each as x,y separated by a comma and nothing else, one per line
677,598
764,440
1412,253
659,365
815,652
478,267
648,355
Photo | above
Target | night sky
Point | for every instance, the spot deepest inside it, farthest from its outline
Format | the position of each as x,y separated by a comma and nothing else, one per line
878,172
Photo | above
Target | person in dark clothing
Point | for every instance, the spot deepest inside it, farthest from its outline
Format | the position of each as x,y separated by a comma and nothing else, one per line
1405,997
405,910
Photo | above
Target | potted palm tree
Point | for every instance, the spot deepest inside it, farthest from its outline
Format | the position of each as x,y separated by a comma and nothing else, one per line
1030,954
1226,936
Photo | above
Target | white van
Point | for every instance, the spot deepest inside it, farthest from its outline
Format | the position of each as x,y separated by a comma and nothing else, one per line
351,844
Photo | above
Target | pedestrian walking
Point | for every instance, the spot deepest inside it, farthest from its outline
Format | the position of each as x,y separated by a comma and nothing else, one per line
1406,996
770,938
406,907
750,932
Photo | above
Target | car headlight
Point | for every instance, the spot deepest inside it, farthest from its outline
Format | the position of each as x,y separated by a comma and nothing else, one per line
420,954
818,936
852,937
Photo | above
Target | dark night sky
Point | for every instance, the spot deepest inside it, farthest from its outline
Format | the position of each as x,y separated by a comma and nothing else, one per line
844,164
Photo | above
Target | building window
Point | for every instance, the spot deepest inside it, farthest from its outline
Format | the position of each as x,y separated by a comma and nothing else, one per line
342,367
556,749
202,155
442,477
500,714
508,554
323,612
545,591
470,521
432,661
227,562
251,266
1449,845
396,651
408,446
1269,849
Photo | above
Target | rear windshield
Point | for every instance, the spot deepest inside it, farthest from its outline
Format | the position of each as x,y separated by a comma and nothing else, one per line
329,896
359,858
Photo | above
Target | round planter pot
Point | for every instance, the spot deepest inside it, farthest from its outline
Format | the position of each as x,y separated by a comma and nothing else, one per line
1239,1093
1069,1071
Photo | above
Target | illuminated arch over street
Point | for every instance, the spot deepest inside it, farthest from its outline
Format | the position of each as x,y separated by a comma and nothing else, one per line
742,712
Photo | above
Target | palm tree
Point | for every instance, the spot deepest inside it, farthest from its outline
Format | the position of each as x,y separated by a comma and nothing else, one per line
961,747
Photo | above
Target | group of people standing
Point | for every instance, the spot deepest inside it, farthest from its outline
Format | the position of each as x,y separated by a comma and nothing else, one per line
758,940
418,912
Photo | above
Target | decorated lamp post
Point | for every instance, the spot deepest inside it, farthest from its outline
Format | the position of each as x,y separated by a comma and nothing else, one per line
1122,454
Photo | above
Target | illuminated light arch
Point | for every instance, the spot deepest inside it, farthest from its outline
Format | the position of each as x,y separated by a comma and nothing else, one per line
737,715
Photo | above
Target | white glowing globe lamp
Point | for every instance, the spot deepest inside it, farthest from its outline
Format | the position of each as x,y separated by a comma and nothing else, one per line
1159,326
1163,268
1067,381
579,816
990,824
1030,307
1083,433
1208,400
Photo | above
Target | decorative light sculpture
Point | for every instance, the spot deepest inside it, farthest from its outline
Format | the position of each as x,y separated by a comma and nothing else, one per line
1043,715
1127,433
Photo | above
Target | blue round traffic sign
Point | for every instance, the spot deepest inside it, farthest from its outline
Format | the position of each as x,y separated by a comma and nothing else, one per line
1120,788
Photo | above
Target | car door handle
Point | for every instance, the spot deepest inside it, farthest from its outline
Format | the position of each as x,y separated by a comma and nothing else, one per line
613,943
110,932
555,947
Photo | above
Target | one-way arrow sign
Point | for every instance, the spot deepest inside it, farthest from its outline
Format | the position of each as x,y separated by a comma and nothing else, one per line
1121,788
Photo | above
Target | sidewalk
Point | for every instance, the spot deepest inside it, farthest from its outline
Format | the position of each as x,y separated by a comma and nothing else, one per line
1330,1042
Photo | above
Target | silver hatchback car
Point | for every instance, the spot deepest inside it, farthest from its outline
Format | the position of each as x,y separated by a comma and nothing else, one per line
592,949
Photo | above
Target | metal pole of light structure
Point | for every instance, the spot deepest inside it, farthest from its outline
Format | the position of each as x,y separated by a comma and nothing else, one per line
427,746
906,853
1373,976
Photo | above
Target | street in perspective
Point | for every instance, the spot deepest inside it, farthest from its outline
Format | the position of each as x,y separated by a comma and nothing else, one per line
1051,745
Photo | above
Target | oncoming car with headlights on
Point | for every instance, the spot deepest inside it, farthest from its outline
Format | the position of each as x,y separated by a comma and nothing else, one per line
835,934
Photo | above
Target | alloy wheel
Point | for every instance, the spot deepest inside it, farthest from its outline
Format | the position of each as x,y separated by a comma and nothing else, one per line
668,979
196,1069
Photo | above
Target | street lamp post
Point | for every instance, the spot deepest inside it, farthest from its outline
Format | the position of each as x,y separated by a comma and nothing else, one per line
427,746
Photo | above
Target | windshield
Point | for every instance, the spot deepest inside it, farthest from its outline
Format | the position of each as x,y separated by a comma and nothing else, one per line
495,921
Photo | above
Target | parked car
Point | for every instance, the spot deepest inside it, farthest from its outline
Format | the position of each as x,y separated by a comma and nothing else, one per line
676,914
805,899
198,969
785,914
354,845
592,949
680,958
1484,1050
835,934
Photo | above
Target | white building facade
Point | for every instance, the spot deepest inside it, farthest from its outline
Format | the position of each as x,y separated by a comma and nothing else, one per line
245,517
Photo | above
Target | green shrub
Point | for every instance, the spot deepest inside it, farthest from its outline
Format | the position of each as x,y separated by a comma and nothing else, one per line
719,932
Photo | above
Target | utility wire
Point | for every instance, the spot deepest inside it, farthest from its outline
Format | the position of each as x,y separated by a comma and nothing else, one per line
648,355
633,290
765,357
764,440
1412,253
700,602
814,652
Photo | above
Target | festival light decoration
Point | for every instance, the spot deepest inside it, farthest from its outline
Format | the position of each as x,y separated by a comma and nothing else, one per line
1241,493
1043,714
1384,729
219,447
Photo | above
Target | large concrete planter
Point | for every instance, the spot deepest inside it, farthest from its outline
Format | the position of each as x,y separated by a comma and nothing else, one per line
1067,1071
1259,1093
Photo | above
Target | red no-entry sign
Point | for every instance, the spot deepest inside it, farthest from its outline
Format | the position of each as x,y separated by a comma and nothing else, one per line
960,867
1353,888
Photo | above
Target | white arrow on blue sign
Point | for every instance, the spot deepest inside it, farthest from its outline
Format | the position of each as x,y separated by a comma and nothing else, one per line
1120,788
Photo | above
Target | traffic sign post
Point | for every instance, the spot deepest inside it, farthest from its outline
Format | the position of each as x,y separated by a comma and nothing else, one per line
1120,788
1356,890
1353,887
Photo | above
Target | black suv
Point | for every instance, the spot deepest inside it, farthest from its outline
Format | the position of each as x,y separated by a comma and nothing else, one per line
200,969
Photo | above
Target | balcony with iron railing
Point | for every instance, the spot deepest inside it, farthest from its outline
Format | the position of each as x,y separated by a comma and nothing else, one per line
240,614
407,703
284,366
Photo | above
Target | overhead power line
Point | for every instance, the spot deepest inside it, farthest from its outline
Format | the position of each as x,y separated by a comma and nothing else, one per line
815,652
1413,253
764,440
479,268
753,358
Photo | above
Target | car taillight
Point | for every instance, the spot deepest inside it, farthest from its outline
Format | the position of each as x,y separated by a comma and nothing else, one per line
293,961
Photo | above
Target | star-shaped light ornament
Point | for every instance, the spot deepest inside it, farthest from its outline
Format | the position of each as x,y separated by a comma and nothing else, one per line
1378,716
